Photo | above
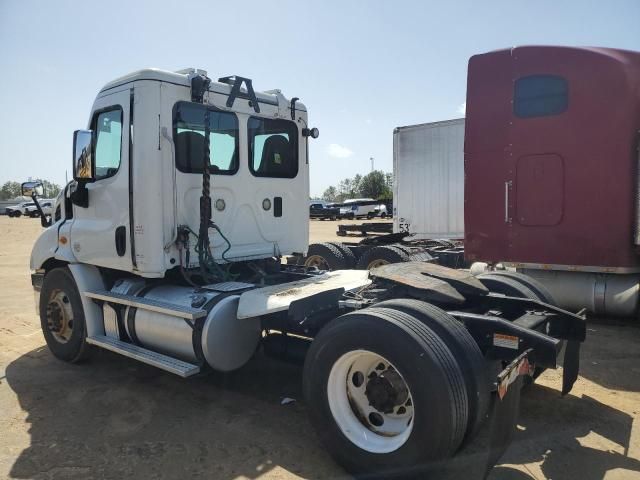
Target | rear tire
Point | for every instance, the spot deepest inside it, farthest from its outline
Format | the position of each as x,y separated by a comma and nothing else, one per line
382,255
506,286
326,256
542,293
516,284
418,402
463,347
62,316
349,257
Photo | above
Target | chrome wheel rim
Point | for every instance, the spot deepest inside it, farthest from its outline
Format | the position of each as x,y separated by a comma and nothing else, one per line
60,316
377,263
370,401
316,261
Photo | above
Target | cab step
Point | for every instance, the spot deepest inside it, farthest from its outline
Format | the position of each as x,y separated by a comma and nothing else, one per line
155,359
181,311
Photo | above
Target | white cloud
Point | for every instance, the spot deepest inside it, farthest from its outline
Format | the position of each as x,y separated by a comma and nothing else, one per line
338,151
462,109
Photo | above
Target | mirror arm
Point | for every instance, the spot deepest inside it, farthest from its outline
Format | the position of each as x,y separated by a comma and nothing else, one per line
43,219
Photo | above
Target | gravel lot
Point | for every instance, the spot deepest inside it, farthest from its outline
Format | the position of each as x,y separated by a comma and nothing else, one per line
115,418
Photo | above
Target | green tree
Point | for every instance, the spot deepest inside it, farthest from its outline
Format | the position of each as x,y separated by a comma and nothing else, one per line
330,194
10,190
51,190
374,185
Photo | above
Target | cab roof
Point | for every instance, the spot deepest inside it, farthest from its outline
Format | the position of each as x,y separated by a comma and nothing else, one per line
181,78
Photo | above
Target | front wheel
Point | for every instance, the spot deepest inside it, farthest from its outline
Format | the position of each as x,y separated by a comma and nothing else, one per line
385,393
62,316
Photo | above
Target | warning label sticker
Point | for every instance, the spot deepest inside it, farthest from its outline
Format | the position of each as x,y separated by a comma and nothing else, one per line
505,341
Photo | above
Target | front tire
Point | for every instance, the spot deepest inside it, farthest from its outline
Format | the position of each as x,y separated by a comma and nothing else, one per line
385,393
62,316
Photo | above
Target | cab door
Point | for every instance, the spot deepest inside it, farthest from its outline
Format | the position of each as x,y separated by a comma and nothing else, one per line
100,233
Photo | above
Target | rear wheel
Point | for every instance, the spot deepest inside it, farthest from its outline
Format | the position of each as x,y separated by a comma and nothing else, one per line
326,256
349,257
507,286
516,284
541,292
463,347
385,393
382,255
62,316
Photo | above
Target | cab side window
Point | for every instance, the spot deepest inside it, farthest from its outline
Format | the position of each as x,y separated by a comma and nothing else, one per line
108,144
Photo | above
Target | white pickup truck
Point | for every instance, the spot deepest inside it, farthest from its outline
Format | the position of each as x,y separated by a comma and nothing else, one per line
19,209
32,211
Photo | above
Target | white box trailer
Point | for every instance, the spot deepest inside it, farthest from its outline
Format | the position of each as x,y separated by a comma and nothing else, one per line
428,187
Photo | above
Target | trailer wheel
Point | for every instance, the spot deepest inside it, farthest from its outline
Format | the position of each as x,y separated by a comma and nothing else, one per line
382,255
326,256
385,394
62,316
349,257
463,347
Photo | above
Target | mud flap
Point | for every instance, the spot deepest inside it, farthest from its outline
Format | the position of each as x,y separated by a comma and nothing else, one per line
571,365
506,406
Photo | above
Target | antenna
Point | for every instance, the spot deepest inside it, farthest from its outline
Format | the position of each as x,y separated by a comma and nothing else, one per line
372,160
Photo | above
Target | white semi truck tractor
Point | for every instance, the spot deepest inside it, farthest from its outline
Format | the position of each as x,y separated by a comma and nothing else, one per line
167,248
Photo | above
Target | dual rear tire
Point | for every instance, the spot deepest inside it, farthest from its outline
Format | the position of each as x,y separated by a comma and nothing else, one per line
394,388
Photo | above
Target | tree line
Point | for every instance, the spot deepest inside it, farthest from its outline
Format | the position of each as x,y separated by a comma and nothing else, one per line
12,190
377,185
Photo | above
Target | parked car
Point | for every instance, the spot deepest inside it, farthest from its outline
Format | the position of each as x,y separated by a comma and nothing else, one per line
46,205
322,211
362,207
19,209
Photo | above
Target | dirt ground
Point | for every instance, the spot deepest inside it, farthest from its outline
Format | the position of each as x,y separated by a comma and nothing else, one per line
115,418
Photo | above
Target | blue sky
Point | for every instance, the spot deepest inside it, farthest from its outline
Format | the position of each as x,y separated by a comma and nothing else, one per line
361,67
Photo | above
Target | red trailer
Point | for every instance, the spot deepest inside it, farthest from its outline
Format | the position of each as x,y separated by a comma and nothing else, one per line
551,170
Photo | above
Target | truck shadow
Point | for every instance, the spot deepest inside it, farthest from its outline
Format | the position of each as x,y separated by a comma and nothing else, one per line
115,418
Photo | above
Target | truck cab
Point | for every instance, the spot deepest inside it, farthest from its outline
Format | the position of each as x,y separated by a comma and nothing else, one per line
147,141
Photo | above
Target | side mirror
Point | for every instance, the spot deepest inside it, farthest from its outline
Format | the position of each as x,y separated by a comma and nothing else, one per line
83,167
30,189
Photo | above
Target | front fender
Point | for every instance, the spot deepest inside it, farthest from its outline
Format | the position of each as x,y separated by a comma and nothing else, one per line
48,245
44,247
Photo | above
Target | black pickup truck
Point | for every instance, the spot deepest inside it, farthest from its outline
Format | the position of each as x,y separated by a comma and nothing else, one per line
322,211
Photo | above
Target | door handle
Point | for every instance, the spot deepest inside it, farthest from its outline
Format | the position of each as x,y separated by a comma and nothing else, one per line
277,206
507,188
121,241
